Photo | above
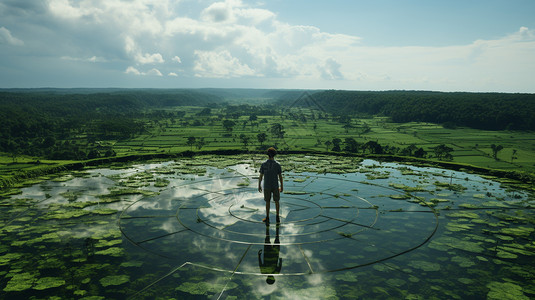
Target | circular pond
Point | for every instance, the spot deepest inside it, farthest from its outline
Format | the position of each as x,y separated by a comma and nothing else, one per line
192,228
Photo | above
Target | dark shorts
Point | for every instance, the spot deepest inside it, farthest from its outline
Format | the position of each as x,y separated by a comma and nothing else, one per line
275,192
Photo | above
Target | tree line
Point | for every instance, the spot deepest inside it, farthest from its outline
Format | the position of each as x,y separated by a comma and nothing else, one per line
59,125
488,111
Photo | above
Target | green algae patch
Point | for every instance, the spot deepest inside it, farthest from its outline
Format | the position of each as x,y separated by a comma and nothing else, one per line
395,282
130,264
48,283
462,261
505,290
463,214
465,280
62,214
113,251
204,288
347,277
446,243
8,257
295,192
469,206
454,227
20,282
451,187
518,231
406,188
114,280
399,197
425,265
161,182
114,192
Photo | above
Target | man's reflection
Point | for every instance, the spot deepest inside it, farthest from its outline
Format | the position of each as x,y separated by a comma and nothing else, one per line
272,263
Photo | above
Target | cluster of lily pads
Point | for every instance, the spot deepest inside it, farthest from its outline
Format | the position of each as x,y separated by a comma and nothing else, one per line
60,236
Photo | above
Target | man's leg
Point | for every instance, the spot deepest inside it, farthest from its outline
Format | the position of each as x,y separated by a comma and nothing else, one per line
267,198
276,198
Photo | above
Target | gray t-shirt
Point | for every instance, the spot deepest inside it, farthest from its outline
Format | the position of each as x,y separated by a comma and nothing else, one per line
271,169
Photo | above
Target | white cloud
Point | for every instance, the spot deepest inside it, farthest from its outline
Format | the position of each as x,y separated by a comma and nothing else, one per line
220,12
151,72
331,69
172,74
154,72
240,39
7,38
132,49
149,58
132,70
220,64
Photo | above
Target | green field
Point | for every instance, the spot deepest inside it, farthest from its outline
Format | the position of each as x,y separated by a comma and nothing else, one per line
306,130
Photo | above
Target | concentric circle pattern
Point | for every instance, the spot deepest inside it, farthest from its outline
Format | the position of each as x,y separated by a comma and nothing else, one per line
327,223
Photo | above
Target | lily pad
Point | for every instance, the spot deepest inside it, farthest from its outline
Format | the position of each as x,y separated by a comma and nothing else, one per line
20,282
463,262
347,277
505,290
463,214
48,283
113,251
114,280
425,265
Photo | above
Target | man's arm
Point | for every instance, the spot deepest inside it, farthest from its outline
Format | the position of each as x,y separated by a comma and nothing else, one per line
260,182
280,179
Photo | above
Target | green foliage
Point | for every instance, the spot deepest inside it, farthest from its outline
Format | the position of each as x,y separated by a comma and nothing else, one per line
491,111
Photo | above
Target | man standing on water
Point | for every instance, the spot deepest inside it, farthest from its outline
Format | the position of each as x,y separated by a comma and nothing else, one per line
269,171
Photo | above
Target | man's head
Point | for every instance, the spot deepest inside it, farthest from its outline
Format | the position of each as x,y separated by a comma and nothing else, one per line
271,152
270,279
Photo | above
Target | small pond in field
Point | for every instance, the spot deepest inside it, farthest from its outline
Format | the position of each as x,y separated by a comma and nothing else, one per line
192,228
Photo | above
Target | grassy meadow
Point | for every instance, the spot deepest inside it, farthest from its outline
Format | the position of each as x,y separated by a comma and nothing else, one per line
304,130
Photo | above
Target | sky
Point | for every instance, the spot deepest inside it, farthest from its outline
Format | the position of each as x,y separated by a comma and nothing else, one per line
474,46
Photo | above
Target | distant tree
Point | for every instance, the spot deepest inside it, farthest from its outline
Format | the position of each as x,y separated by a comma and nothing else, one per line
374,147
365,129
409,150
191,142
276,130
420,153
336,144
253,118
94,153
495,150
205,112
229,125
328,144
351,145
513,155
245,140
110,152
261,137
443,152
49,141
347,126
200,143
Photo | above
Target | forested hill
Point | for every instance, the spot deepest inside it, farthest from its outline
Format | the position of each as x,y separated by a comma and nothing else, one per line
491,111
